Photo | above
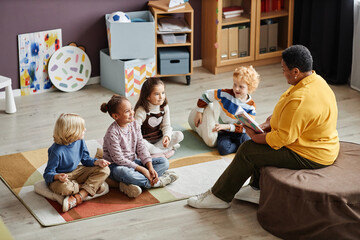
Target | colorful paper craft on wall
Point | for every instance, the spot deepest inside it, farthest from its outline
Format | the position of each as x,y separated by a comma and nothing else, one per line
35,50
69,69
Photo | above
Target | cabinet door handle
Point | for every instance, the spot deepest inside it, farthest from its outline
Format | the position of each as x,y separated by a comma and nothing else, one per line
174,61
223,55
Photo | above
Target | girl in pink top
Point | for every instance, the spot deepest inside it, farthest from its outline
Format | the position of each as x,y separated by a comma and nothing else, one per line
131,162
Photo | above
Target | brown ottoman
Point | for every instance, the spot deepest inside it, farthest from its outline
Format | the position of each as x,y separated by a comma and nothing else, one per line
313,204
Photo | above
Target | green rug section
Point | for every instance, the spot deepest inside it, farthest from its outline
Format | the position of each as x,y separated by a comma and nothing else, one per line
34,178
162,195
4,232
193,145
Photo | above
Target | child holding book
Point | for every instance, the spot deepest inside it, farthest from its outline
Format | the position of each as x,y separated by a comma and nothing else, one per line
153,114
227,132
131,162
63,174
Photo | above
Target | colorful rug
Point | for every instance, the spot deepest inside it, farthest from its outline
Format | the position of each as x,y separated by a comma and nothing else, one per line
4,232
197,165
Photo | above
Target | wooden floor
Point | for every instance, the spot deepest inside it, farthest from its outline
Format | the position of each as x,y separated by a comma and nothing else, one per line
31,128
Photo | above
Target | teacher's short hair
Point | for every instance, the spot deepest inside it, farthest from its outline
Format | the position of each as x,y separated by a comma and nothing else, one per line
298,56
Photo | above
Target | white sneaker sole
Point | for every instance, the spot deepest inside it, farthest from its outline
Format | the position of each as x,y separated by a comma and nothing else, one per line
248,194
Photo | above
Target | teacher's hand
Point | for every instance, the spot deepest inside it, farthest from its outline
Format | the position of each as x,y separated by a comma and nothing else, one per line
256,137
249,131
266,125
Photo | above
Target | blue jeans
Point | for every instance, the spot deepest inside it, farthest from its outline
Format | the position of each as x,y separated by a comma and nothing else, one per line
229,142
131,176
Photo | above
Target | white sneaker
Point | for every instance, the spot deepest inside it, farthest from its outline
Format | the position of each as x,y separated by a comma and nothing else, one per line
248,194
176,146
167,178
131,190
207,200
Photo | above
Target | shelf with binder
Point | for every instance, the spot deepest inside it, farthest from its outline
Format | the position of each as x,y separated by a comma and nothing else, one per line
187,14
245,18
281,24
240,34
235,43
214,41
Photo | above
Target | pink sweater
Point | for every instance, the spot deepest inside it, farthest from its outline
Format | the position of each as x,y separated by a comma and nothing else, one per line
123,145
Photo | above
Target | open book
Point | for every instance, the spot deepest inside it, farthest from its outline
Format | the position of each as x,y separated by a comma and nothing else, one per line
247,120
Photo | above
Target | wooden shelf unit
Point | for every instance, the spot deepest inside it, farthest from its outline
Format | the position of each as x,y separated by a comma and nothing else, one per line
213,22
188,14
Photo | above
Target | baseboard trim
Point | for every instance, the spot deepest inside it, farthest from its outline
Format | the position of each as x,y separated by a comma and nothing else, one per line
16,93
93,80
197,63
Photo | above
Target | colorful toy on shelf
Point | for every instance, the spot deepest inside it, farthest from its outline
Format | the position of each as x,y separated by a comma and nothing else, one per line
119,17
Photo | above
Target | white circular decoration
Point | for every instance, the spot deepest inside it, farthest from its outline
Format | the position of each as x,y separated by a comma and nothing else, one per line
69,69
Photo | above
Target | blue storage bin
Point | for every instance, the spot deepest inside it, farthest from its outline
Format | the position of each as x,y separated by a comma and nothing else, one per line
134,39
173,60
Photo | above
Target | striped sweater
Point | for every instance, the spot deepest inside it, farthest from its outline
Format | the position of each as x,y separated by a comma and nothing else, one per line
229,105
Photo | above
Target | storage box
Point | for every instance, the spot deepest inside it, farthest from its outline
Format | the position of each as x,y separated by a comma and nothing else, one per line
233,42
134,39
173,38
244,41
272,37
224,44
173,60
263,38
125,77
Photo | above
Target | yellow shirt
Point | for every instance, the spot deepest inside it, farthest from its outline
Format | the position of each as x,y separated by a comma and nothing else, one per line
304,120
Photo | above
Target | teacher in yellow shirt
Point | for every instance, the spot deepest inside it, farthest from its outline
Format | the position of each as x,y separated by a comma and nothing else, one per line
300,134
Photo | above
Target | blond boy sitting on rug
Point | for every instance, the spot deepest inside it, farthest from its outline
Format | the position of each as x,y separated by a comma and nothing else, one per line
226,133
63,174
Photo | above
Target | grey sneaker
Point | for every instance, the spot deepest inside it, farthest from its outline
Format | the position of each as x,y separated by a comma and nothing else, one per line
131,190
168,172
167,178
207,200
248,194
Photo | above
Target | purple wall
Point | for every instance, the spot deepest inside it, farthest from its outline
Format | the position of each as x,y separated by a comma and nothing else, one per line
81,21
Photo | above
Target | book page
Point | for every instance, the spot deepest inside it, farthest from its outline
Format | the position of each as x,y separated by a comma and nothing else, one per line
248,121
174,3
